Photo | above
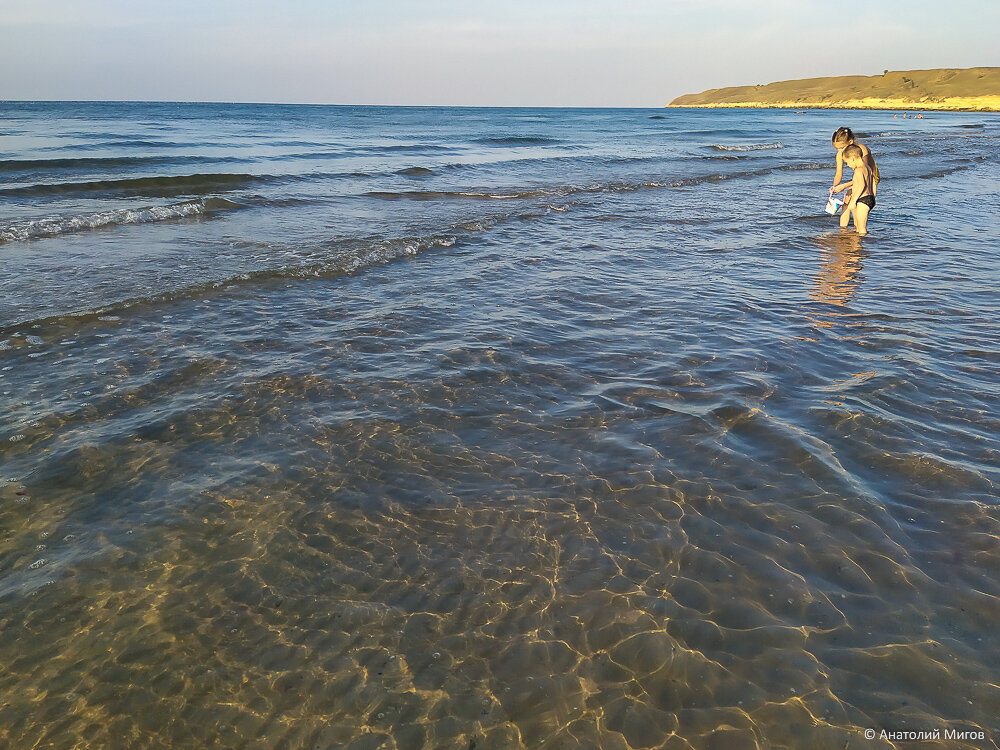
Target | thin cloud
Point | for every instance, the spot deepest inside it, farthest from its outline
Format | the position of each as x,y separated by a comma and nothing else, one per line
586,52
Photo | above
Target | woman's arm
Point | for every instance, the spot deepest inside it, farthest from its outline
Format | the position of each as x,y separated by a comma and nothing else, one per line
840,172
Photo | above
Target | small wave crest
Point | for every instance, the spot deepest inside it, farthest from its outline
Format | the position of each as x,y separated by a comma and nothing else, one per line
403,148
337,258
53,226
130,143
428,195
748,147
518,140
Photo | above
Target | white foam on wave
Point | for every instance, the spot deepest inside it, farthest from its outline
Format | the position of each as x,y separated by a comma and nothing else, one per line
56,225
748,147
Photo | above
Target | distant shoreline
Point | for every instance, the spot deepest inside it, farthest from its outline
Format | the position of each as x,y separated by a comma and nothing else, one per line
938,90
872,107
884,106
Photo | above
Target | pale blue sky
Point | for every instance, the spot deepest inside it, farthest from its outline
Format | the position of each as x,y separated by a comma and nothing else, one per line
514,52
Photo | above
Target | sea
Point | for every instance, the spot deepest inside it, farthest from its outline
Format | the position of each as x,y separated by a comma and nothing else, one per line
385,427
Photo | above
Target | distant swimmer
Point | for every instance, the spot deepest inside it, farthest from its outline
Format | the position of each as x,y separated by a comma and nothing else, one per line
862,190
843,138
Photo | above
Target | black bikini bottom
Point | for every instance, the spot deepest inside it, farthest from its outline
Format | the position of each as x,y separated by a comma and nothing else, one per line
868,200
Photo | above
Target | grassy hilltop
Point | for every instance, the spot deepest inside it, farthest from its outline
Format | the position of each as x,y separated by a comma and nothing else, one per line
941,88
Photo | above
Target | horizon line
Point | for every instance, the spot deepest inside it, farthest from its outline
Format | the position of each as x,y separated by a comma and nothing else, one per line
327,104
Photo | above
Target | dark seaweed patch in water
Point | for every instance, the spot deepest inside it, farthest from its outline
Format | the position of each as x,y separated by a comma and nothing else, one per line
416,172
940,173
975,126
657,117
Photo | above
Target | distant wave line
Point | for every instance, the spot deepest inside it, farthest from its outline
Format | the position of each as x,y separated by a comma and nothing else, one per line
153,186
99,162
518,140
565,190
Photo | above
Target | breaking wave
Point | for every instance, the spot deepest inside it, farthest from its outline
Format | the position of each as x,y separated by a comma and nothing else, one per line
748,147
53,226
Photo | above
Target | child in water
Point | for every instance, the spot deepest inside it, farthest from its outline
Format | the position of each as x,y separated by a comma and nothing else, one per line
862,190
843,138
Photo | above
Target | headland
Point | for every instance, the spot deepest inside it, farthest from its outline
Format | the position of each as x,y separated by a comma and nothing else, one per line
958,89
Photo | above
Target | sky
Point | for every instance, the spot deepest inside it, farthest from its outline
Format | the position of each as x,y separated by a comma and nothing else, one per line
601,53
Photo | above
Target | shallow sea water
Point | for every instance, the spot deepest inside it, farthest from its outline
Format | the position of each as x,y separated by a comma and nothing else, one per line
357,427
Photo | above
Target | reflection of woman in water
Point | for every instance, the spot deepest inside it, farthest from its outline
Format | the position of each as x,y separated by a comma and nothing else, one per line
839,275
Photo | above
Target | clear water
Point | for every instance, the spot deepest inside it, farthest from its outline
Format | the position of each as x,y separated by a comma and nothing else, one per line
498,428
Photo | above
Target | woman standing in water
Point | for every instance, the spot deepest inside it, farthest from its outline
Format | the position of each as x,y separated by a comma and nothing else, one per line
842,138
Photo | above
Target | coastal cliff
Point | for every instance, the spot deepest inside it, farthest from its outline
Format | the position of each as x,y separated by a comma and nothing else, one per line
937,89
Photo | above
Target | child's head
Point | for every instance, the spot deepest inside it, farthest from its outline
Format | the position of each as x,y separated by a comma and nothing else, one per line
853,155
842,138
